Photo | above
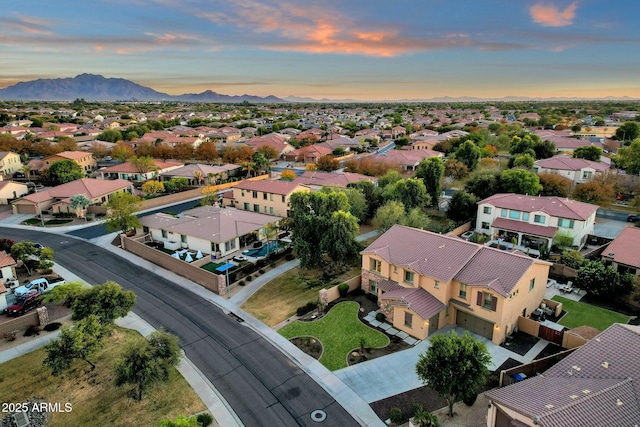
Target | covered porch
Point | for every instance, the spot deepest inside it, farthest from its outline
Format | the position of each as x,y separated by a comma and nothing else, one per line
527,236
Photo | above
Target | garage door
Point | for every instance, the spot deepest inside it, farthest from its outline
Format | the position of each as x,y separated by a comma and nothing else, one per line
474,324
26,209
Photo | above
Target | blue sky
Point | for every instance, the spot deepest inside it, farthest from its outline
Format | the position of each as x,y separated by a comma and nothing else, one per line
365,50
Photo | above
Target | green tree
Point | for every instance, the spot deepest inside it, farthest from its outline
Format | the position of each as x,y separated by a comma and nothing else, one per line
143,365
107,301
80,203
544,149
430,171
388,215
31,256
554,185
80,342
453,366
520,181
573,258
590,152
64,171
628,158
357,202
391,177
66,293
411,192
603,281
563,239
121,209
143,164
628,131
523,161
261,163
339,239
416,218
483,184
462,206
181,421
371,194
110,135
469,154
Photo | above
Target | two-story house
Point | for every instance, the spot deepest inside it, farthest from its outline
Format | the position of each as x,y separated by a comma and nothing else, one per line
425,281
534,221
623,253
82,158
268,197
9,163
131,172
577,170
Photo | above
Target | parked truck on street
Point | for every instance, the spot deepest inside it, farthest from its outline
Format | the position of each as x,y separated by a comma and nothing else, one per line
41,285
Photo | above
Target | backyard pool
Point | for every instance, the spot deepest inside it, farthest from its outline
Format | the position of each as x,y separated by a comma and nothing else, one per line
272,246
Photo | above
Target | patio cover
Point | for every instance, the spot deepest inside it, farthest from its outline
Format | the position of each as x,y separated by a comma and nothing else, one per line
524,227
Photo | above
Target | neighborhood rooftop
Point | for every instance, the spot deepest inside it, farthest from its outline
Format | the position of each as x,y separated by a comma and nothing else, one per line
552,205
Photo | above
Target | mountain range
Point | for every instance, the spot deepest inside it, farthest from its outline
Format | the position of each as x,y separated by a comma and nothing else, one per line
94,87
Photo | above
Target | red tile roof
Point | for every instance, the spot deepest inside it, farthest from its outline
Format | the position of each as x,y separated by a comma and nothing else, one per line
597,385
72,155
270,186
90,187
564,162
555,206
332,178
625,249
418,300
524,227
127,167
6,260
388,285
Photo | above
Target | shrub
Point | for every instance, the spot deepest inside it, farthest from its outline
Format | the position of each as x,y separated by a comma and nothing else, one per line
52,326
289,257
205,419
261,263
470,399
10,336
395,415
241,283
380,317
343,289
308,307
249,278
261,271
32,330
272,264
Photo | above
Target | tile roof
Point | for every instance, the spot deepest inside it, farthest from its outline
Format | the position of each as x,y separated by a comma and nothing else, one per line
128,167
271,186
625,249
72,155
188,170
524,227
495,269
211,223
6,260
564,162
90,187
332,178
418,300
407,157
597,385
555,206
424,252
389,285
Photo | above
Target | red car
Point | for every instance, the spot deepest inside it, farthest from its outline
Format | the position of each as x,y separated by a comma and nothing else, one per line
24,304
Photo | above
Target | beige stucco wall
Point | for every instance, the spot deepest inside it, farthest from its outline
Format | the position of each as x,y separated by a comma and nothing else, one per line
10,164
419,327
272,205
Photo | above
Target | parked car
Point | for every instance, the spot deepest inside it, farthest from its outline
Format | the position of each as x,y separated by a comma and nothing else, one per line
633,218
25,304
239,258
467,235
42,285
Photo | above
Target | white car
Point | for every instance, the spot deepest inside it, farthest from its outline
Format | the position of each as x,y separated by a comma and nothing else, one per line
467,235
239,258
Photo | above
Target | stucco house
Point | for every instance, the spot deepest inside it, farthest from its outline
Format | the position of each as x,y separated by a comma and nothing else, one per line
11,190
210,229
207,172
9,163
577,170
82,158
318,179
596,385
534,221
7,276
130,172
268,197
623,253
425,281
407,160
307,154
57,198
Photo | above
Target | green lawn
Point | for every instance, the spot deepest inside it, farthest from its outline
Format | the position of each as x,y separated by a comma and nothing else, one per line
211,266
340,332
59,221
32,221
579,313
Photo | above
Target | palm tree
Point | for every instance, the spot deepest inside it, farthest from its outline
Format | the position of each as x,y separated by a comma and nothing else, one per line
27,171
199,176
271,230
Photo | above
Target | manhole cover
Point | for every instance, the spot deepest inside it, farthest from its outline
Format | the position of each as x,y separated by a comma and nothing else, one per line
318,415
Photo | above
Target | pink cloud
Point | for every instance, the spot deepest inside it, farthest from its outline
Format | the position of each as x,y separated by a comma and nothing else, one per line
549,15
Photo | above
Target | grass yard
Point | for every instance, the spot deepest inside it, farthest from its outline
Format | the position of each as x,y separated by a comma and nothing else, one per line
59,221
279,299
579,313
32,221
211,266
340,332
95,398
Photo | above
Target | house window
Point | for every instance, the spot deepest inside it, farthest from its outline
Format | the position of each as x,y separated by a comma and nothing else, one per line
271,197
271,210
145,229
230,245
565,223
265,209
525,216
395,269
485,225
408,319
264,196
255,194
283,199
437,285
586,175
488,301
256,208
164,234
376,265
214,247
539,219
373,286
408,277
532,284
503,213
183,238
514,214
242,193
246,206
486,209
463,291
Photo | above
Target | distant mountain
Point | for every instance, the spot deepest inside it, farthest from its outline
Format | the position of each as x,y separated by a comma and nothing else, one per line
94,87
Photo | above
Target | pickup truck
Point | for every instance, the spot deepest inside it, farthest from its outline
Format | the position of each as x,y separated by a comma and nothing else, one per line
41,285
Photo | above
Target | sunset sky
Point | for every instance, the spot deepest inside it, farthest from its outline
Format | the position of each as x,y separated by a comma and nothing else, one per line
357,49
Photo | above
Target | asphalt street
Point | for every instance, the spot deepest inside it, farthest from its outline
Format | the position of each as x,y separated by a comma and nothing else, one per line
260,383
